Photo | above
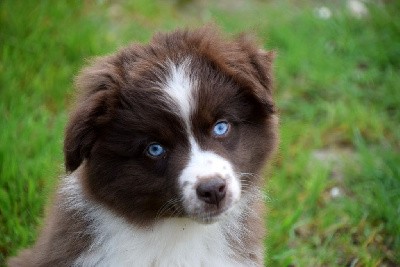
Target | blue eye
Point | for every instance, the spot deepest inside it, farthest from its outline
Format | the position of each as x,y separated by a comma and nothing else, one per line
221,128
155,150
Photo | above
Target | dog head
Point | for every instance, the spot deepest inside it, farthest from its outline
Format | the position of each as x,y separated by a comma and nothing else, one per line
176,128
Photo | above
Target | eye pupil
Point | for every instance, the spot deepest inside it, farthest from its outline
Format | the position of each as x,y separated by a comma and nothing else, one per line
155,150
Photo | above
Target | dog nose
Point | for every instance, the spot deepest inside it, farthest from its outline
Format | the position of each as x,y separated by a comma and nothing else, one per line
212,191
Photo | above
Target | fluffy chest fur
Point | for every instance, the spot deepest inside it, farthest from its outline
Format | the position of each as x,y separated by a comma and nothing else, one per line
170,242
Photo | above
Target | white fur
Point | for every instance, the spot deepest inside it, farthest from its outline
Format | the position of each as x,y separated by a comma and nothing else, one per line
180,87
204,164
171,242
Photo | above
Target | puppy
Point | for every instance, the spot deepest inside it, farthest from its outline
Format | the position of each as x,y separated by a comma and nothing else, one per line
163,153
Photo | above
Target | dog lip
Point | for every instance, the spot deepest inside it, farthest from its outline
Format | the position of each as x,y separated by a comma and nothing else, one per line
212,216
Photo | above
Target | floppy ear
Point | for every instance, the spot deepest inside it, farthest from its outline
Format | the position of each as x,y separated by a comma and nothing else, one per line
244,62
97,89
258,71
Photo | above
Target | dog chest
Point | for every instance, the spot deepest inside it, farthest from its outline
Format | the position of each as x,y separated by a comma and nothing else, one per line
173,242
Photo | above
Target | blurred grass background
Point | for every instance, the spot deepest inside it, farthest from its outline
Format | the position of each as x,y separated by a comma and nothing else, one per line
334,189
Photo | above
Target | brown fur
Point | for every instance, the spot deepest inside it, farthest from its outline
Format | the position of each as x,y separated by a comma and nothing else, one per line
118,111
62,239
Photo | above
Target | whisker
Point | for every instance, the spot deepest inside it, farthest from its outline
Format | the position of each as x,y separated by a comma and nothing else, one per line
170,204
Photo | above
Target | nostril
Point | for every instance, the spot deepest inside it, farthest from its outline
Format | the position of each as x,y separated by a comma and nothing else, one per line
221,189
212,191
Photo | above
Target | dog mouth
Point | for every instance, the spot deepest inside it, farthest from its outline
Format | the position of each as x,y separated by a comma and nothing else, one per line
208,217
208,214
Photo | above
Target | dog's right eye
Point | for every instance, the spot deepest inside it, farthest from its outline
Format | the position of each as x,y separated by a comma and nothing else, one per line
221,128
155,150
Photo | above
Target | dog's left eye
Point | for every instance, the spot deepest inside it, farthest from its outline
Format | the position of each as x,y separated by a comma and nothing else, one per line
155,150
221,128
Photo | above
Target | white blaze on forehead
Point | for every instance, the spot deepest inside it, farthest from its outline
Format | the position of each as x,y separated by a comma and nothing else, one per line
180,86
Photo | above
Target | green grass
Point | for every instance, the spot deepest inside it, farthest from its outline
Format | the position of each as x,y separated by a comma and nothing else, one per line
337,90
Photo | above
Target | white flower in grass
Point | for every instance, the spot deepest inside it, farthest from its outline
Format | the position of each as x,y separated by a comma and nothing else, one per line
323,12
357,8
336,192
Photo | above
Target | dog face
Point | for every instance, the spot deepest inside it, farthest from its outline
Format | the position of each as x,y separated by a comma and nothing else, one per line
176,128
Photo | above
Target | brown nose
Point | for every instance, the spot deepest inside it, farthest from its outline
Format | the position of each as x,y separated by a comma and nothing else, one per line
212,191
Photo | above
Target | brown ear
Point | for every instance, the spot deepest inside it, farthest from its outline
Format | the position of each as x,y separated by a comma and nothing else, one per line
97,97
243,61
259,71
